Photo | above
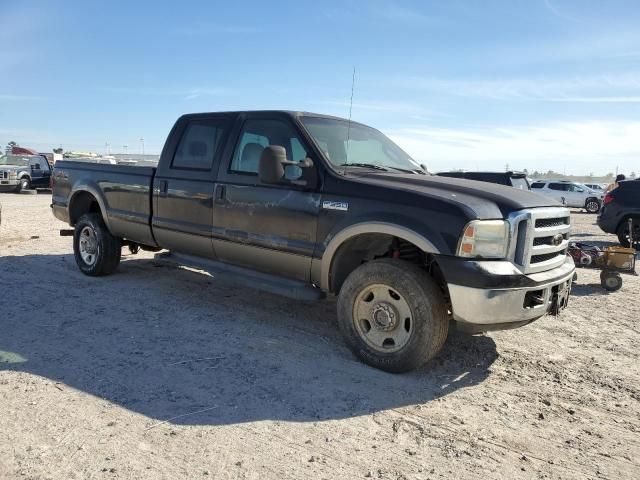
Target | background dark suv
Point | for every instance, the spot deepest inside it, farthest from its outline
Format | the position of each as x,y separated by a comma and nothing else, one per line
620,205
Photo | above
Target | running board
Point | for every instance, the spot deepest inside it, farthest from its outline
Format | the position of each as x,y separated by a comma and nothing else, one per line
260,281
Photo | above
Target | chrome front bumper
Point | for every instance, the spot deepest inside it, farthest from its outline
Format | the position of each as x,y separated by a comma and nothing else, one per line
490,306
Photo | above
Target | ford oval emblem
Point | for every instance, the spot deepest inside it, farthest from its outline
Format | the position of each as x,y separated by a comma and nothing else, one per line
557,239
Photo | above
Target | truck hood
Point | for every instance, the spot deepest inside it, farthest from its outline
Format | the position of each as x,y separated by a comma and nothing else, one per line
12,167
485,200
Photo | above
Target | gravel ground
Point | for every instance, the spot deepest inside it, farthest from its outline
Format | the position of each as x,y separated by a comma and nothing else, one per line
164,372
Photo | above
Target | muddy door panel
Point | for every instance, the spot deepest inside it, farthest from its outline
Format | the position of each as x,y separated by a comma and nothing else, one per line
183,186
182,222
268,229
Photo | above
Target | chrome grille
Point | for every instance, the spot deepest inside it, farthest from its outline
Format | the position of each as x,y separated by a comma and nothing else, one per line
534,233
4,175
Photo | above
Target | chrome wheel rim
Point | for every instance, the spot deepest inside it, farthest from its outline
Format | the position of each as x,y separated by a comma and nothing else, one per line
88,246
383,318
592,206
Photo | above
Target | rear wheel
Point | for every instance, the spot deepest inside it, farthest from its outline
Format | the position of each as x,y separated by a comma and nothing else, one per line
592,205
610,281
392,314
96,251
624,236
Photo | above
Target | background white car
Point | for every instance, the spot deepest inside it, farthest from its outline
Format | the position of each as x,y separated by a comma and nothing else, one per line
596,186
571,194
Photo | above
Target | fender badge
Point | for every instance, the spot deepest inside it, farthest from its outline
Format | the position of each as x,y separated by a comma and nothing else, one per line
328,205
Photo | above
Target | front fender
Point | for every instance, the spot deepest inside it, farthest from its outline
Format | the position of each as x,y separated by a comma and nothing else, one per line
325,263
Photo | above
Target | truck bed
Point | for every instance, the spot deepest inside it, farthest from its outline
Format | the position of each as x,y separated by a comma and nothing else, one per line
123,192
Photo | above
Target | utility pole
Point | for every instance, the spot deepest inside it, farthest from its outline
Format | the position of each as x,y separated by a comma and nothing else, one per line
124,149
142,143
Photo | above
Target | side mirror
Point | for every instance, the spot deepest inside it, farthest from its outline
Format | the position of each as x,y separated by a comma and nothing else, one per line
272,166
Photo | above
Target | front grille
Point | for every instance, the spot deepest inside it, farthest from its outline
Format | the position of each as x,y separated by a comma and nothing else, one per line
535,246
545,240
551,222
4,175
546,256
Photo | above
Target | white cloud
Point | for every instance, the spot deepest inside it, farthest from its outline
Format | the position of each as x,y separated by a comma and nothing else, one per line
186,93
374,106
630,99
580,147
529,88
213,29
17,98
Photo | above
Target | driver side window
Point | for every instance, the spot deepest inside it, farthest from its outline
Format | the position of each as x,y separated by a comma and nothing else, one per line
258,134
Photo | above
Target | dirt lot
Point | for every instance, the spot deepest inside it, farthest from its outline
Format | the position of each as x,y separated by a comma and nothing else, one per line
162,372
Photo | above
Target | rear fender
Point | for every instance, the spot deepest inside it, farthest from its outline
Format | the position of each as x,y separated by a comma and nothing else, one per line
96,193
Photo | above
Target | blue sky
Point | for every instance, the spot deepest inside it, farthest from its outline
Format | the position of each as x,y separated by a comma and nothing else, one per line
535,84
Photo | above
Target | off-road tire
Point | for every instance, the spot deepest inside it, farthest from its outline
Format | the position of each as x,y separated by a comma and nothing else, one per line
623,231
610,281
109,248
425,300
592,205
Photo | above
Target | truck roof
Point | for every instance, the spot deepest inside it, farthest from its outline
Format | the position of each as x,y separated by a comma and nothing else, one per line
292,113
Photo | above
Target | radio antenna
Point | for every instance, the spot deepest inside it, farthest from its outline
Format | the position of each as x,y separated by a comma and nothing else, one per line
353,83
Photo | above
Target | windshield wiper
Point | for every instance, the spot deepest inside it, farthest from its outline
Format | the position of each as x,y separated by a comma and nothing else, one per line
366,165
407,170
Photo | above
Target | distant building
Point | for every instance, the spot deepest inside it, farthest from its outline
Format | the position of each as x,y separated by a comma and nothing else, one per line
18,150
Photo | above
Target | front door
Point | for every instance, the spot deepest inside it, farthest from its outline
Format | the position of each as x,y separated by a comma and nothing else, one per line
560,192
270,228
183,186
40,172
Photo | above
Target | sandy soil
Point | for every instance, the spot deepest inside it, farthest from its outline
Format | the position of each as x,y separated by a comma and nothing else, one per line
161,372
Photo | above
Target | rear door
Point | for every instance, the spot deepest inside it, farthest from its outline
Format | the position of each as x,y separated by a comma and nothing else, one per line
271,228
184,182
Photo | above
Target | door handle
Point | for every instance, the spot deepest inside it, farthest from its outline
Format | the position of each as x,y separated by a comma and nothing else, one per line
220,194
164,188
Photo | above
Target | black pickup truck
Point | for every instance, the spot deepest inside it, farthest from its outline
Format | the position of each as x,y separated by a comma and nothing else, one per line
307,205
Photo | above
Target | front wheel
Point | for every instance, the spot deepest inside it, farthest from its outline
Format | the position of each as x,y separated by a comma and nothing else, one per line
96,251
392,314
592,205
23,184
610,281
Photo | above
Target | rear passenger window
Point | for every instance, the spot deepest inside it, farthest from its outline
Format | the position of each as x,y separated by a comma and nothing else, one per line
537,185
559,186
199,144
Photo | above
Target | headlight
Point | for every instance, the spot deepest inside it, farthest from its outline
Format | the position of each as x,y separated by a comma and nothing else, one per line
484,239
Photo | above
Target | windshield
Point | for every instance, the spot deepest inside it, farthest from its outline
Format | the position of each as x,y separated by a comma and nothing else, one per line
14,160
365,145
